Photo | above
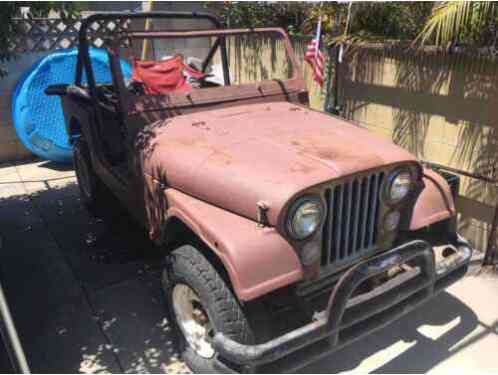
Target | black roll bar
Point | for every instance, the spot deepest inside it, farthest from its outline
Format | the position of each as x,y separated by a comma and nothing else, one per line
84,56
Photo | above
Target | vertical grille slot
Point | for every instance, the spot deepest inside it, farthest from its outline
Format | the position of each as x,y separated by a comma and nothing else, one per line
352,218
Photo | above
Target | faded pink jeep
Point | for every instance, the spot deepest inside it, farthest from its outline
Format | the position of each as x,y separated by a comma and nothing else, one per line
288,233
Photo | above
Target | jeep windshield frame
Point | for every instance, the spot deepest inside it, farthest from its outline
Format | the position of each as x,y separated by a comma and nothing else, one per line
124,97
84,62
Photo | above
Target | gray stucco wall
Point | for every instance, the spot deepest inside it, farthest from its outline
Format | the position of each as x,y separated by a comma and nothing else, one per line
10,147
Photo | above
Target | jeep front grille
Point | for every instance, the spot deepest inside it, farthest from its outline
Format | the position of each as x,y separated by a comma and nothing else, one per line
350,229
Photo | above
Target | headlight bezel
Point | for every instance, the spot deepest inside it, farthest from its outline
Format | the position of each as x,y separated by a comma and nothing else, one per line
390,182
294,207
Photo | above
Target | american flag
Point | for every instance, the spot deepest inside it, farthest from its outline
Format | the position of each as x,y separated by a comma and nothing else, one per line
314,56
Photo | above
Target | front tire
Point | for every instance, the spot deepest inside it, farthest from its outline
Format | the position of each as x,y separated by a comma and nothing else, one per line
96,197
200,304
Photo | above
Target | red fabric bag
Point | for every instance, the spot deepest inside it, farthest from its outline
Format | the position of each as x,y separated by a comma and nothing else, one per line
164,76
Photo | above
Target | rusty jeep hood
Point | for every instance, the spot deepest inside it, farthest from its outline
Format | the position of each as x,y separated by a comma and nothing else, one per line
235,157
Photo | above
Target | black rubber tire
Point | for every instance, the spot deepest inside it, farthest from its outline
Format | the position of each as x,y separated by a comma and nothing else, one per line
188,266
95,196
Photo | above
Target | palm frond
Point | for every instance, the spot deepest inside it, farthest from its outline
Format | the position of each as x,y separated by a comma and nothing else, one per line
449,18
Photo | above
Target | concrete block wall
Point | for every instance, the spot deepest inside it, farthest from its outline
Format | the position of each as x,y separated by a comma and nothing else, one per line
255,58
442,108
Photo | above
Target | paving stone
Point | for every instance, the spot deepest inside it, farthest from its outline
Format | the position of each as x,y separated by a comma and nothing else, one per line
445,334
10,191
65,339
56,326
8,173
44,170
99,252
18,216
133,316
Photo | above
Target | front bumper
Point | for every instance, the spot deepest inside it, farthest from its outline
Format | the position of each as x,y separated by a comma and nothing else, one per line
348,318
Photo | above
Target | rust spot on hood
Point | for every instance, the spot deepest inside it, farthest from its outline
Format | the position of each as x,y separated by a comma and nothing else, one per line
201,125
301,169
264,155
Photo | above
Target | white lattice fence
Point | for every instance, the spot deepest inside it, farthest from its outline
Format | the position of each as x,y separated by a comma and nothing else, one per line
46,34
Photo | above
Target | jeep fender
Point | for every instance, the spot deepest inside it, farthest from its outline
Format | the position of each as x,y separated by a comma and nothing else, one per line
435,202
258,260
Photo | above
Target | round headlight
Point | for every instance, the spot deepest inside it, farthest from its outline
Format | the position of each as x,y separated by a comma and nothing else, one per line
305,217
400,186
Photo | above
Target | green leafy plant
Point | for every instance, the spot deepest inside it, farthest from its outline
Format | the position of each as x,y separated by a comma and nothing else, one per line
288,15
460,21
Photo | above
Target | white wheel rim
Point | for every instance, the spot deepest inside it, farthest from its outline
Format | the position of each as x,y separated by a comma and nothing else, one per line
192,320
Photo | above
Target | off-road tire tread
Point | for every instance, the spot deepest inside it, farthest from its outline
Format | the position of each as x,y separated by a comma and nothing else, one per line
226,306
188,265
81,151
102,202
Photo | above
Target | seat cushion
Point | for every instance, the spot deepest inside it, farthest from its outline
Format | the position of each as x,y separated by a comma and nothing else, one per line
163,76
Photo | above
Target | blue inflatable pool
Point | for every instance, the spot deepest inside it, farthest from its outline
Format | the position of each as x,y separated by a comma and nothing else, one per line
38,118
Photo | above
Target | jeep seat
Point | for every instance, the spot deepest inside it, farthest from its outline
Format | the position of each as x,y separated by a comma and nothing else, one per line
164,76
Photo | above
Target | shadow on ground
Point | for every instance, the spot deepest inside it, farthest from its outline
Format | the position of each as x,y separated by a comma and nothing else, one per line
85,292
420,352
54,166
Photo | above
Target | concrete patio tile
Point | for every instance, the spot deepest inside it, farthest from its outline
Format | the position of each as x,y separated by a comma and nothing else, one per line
65,339
479,348
44,170
8,173
17,215
133,316
101,252
55,323
64,182
457,330
40,260
57,183
33,188
50,196
11,190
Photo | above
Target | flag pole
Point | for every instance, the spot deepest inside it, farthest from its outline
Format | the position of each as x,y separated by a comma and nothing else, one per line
319,29
148,22
348,18
336,109
318,36
314,56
